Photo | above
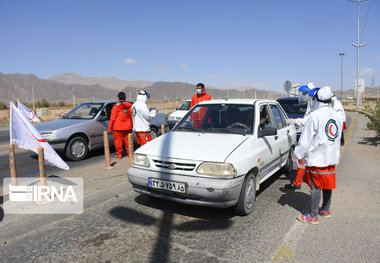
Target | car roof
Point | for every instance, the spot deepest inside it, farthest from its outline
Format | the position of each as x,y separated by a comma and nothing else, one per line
101,101
236,101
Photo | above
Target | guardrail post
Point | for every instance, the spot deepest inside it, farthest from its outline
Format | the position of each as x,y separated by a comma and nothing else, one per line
162,129
41,164
12,164
107,155
130,148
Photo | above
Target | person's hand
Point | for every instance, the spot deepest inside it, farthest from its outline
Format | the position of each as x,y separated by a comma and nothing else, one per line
290,121
157,109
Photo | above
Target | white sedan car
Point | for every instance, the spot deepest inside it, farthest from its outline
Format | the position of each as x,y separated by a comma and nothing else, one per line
217,155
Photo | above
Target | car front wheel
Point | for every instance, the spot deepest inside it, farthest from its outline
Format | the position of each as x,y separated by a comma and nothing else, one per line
288,167
247,196
153,132
77,149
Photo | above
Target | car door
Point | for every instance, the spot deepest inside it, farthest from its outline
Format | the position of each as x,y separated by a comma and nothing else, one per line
102,122
269,151
283,132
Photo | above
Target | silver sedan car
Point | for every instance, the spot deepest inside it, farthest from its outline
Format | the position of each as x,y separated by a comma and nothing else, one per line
81,129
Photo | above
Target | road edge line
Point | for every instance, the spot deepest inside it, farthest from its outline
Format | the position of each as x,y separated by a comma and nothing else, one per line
348,135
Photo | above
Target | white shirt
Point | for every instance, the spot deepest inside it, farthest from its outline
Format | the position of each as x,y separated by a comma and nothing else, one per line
319,144
141,115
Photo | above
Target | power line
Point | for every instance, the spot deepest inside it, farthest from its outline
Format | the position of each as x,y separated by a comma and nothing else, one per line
366,17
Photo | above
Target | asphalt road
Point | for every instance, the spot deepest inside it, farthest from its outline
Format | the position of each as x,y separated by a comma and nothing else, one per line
119,225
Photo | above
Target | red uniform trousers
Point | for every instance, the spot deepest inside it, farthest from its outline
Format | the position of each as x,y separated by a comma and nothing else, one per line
323,177
119,137
143,137
300,173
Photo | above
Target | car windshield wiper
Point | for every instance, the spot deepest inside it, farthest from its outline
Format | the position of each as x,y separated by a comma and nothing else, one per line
188,128
228,130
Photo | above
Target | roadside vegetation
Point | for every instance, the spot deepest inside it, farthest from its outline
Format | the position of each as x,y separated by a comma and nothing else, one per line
374,123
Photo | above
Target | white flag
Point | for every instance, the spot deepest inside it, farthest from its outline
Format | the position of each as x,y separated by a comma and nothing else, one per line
28,113
24,135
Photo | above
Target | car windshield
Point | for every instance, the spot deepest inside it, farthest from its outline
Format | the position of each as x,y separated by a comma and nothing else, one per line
294,108
185,106
218,118
84,111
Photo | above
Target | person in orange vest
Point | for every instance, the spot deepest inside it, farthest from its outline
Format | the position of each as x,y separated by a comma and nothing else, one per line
201,95
121,124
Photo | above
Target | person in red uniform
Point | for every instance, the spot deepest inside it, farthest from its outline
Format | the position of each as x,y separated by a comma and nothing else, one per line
201,95
121,124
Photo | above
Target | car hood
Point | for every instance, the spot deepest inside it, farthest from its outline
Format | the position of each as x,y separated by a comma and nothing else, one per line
159,120
57,124
212,147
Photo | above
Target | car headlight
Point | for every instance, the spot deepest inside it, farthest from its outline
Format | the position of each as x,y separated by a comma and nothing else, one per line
171,118
217,169
48,136
140,159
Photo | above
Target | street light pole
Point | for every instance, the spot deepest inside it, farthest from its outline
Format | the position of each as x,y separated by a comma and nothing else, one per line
341,75
358,45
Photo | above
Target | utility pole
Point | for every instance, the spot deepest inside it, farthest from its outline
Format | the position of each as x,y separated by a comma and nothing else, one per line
73,96
358,45
341,75
255,93
34,109
129,91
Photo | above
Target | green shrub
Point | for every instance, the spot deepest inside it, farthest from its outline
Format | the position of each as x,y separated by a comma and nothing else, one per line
3,106
374,123
43,103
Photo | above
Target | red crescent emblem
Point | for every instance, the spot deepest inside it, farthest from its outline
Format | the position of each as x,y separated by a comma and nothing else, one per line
331,131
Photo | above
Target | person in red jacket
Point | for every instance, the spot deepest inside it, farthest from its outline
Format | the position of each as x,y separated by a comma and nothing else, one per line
201,95
121,124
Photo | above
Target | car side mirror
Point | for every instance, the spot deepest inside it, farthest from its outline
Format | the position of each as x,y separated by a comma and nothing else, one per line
102,118
267,131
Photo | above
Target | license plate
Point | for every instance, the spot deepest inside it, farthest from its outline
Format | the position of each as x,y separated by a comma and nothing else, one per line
167,185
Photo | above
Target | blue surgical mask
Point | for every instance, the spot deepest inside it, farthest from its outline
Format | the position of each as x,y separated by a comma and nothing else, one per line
199,91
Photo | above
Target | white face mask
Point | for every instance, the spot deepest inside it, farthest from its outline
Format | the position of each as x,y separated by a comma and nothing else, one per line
199,91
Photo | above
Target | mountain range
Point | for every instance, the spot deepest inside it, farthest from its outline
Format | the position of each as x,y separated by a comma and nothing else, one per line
61,87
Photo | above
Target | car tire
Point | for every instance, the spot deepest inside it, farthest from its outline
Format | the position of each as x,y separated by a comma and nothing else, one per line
288,167
153,132
247,196
77,149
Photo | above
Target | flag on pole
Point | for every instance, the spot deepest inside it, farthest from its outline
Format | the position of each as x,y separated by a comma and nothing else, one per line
28,113
24,135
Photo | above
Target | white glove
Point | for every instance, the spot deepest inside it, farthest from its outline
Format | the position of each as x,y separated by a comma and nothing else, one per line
290,121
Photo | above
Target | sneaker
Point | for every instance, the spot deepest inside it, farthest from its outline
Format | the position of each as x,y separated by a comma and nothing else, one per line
292,186
324,213
307,218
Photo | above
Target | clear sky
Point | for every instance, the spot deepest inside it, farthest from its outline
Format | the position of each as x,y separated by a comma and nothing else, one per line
221,43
